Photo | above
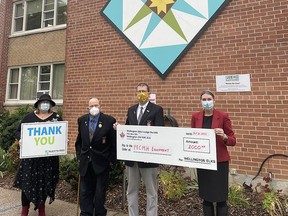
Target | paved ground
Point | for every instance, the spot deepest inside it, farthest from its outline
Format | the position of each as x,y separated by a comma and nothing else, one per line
10,205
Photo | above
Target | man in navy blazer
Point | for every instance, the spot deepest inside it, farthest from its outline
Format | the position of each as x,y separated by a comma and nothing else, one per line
96,150
148,114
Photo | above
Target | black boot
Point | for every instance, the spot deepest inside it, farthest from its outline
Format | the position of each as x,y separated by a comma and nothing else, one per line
208,210
222,211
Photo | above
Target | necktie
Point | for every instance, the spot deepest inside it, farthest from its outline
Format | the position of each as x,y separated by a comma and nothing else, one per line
91,128
140,115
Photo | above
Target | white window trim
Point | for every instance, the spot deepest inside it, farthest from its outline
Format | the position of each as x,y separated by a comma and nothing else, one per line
16,102
58,102
34,31
13,16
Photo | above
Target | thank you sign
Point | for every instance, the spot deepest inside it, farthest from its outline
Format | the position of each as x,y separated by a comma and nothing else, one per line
43,139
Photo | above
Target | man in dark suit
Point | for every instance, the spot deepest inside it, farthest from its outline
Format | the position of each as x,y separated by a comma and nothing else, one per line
96,150
149,114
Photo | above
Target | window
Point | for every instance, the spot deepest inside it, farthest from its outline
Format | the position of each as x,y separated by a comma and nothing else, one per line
38,14
25,82
14,83
18,17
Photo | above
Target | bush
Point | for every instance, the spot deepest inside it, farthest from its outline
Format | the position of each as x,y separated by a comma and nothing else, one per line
237,197
9,123
172,184
13,155
273,204
116,173
6,164
69,170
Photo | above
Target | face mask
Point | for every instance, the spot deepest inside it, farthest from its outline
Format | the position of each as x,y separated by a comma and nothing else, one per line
44,107
142,97
94,111
207,105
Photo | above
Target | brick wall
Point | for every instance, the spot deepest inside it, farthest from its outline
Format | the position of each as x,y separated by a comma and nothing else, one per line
247,37
5,23
37,48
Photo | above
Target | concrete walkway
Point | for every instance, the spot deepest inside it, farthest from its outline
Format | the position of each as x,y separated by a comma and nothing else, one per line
10,205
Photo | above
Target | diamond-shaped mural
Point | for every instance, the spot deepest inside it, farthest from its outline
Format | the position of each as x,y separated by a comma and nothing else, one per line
162,30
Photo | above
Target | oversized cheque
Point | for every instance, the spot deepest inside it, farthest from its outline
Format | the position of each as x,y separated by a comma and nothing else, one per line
42,139
187,147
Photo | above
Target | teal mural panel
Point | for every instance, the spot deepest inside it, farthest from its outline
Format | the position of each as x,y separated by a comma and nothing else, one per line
162,31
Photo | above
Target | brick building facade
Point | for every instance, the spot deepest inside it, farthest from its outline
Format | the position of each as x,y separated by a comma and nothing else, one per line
5,26
248,37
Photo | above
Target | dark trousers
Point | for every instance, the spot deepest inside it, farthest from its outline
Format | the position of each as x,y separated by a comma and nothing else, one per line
93,192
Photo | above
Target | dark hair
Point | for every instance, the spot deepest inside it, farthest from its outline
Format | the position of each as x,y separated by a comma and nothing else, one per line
144,84
206,92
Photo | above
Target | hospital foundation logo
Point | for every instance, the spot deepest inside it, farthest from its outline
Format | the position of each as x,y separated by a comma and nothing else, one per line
162,31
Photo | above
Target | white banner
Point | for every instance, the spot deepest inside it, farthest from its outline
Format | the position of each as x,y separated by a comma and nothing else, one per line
42,139
187,147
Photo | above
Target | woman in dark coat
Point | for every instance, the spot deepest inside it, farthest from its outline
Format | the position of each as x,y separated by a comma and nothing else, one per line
38,177
213,185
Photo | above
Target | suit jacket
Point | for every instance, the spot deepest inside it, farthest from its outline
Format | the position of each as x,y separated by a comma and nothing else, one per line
219,120
102,148
153,116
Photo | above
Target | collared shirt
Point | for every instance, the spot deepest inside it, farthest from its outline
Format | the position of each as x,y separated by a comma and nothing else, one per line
139,108
96,118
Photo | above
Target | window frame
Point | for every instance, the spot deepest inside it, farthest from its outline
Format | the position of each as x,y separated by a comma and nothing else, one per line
37,30
14,16
18,101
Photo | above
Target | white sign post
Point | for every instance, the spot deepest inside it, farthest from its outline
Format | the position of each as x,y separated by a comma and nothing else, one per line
187,147
43,139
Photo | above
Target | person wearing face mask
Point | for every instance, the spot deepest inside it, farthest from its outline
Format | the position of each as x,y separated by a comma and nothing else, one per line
38,177
96,151
148,114
213,185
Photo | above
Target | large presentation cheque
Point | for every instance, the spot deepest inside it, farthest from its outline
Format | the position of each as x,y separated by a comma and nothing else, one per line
43,139
187,147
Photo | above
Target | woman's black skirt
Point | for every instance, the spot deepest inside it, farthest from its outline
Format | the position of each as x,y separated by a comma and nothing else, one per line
213,185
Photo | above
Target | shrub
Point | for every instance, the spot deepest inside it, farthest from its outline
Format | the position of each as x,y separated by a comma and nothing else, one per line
236,196
273,202
116,173
273,205
13,155
6,164
9,123
69,170
172,184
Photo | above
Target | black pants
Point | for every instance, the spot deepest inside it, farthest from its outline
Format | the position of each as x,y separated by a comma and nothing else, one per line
93,192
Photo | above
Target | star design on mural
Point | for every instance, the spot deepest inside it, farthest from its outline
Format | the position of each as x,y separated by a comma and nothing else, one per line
163,10
161,5
162,30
